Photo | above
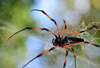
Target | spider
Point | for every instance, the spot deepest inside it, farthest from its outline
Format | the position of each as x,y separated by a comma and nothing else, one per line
59,41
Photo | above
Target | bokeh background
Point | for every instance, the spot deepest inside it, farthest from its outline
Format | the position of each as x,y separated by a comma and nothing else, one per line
78,14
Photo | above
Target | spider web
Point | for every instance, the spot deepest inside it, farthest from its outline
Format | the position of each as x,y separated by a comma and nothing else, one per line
87,55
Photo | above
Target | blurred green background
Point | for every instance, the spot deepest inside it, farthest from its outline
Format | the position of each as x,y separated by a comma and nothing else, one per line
16,15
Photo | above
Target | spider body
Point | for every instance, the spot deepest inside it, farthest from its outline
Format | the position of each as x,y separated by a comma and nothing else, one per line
67,40
58,41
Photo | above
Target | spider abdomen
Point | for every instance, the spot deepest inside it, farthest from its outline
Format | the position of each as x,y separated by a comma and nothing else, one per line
72,40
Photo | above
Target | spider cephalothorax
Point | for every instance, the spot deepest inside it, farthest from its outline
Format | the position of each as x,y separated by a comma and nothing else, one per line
58,41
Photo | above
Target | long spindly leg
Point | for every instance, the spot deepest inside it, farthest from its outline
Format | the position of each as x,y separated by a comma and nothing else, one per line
49,18
31,28
96,27
84,42
92,44
64,29
40,55
65,57
73,53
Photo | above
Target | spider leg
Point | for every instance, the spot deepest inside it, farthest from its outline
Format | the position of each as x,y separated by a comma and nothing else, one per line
73,54
92,44
40,55
65,57
31,28
96,27
49,18
84,42
64,29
